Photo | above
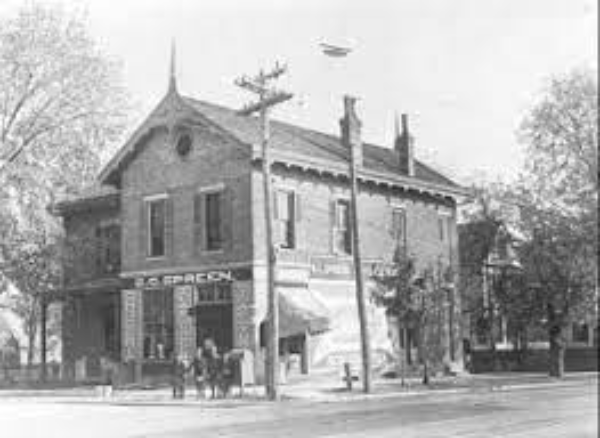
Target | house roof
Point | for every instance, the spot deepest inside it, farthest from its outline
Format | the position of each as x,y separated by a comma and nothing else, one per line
475,241
92,196
286,137
482,239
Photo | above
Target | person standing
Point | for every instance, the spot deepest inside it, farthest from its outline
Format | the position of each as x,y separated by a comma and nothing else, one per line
178,378
212,365
199,371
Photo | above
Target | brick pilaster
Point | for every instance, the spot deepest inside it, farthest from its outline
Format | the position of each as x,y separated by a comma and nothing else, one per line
185,331
243,316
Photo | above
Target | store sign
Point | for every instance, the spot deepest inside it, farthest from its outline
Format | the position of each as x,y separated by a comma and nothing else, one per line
322,267
183,279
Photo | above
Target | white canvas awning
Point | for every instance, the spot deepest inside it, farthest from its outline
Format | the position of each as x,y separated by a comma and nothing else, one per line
301,311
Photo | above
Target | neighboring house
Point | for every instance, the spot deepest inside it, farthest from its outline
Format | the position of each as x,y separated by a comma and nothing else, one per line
169,249
489,250
14,340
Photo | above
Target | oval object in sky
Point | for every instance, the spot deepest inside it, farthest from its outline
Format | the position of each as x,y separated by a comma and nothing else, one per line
335,51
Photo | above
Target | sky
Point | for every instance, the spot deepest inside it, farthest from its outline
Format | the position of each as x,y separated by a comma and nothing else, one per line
465,71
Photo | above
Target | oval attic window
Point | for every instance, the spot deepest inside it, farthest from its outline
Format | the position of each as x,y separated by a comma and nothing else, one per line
184,145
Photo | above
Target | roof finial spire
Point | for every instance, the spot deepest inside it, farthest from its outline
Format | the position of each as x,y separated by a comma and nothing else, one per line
172,75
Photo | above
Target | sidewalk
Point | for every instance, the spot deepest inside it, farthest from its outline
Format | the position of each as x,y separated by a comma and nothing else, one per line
327,391
323,387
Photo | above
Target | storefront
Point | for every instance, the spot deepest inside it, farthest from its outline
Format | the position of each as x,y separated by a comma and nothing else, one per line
169,316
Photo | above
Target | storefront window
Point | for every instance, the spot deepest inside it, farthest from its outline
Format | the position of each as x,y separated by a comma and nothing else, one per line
158,324
214,293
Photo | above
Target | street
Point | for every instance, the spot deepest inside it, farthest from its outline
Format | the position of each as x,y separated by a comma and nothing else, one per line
546,411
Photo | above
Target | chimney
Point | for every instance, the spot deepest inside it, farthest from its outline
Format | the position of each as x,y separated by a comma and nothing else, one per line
404,146
350,126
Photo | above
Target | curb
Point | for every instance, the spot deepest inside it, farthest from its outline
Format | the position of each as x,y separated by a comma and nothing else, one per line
309,396
316,397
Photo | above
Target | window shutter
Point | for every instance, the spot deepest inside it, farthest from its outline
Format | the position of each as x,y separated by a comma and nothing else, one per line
198,223
143,229
169,228
332,225
275,205
227,219
297,207
299,226
276,224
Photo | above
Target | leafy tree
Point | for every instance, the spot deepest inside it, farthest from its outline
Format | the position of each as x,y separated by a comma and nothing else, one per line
489,250
34,268
61,108
416,301
557,202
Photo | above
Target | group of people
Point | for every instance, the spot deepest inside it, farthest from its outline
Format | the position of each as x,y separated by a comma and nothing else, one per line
210,370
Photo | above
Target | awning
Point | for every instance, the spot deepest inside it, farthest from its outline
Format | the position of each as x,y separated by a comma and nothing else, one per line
301,311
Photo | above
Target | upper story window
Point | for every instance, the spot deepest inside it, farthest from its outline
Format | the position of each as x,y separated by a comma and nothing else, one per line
213,218
285,217
108,241
156,209
443,227
342,234
398,226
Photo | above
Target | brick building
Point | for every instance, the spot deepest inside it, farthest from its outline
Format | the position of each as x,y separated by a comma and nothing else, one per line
168,248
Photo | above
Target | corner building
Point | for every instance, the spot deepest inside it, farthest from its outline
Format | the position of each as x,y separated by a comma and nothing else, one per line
168,247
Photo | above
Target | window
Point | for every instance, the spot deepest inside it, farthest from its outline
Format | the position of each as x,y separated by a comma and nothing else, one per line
158,324
184,145
342,237
108,243
580,333
399,226
442,227
110,315
214,238
156,226
214,293
285,215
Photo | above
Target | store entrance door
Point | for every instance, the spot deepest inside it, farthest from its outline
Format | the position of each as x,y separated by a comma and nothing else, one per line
215,321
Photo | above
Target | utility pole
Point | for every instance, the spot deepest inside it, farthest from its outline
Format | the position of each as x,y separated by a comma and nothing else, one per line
358,274
267,98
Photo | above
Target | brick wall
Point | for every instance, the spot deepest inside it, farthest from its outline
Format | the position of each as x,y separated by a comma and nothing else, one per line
375,208
314,238
185,329
157,170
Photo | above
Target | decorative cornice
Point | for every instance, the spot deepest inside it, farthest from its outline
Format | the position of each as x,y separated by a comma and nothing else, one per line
326,167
